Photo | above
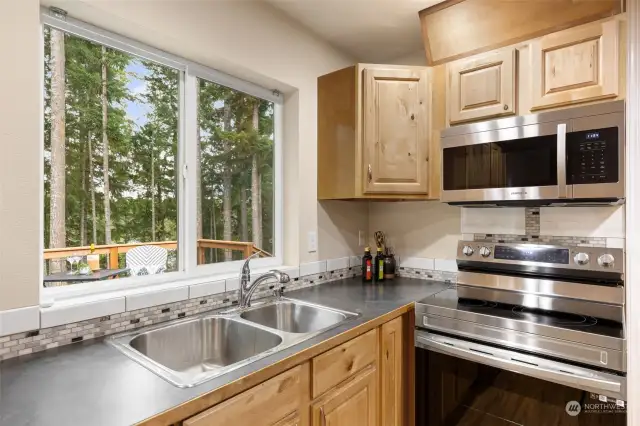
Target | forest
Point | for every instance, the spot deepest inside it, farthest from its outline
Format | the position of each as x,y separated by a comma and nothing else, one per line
111,124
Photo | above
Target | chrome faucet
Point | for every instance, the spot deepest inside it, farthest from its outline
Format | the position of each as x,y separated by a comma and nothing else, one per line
247,287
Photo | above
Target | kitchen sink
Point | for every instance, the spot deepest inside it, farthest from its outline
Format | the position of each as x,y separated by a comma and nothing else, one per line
191,351
294,317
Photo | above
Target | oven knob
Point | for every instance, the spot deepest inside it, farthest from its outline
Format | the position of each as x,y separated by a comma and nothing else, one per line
581,258
485,251
606,260
467,250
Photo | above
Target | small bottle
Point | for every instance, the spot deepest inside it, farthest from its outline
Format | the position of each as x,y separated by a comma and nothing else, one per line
93,259
367,266
379,265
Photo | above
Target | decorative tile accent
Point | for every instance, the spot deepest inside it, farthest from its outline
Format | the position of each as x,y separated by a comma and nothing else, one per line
427,274
38,340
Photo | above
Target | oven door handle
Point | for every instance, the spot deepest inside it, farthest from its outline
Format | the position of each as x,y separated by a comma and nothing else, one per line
579,377
562,160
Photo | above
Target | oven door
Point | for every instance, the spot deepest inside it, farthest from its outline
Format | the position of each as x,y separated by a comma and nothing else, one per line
460,382
512,164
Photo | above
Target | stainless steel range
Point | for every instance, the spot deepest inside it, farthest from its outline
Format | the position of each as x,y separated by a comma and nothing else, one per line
552,314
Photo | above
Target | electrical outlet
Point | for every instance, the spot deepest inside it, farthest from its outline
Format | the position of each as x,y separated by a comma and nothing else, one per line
361,239
312,242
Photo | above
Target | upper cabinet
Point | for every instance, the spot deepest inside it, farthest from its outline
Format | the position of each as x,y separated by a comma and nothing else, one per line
576,65
375,135
396,130
482,87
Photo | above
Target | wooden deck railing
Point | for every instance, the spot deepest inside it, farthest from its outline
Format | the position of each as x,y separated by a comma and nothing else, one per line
114,250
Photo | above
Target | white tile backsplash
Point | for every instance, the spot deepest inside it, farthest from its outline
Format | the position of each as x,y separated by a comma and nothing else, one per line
206,289
313,268
447,265
234,283
355,261
614,243
417,263
339,263
160,297
492,221
18,320
601,221
69,313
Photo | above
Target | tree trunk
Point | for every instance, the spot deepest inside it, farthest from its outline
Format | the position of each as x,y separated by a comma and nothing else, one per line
105,151
153,191
256,226
226,183
83,200
212,226
244,229
92,190
57,225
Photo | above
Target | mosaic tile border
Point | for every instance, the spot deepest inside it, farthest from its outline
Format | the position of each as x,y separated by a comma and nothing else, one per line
34,341
532,235
428,274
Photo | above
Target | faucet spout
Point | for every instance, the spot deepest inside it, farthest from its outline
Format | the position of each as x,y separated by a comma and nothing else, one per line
247,290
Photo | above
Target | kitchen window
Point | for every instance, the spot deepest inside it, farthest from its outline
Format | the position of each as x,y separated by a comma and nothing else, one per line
155,169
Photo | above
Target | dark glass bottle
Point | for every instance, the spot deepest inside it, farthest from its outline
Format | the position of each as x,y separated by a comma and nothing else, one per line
379,266
367,266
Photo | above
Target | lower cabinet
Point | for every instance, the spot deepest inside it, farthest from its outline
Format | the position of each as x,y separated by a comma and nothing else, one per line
361,382
353,403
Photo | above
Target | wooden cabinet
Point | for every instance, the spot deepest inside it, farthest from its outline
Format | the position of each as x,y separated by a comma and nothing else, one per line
482,86
396,127
278,401
354,403
576,65
375,134
391,373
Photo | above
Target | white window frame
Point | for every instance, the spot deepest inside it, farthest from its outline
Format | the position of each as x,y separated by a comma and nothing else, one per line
189,270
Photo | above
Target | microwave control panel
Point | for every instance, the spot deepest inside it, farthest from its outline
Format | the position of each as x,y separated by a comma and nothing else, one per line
592,156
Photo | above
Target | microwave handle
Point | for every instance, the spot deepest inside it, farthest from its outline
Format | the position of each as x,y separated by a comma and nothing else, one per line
562,160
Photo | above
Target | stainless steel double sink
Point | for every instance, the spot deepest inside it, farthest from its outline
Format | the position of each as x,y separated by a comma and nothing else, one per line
191,351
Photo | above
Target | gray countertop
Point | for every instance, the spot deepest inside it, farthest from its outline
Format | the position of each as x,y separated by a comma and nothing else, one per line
92,383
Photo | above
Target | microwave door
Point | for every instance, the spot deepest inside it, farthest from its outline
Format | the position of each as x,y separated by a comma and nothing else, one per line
513,164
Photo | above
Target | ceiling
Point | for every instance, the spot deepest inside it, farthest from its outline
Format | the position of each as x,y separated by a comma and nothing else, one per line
368,30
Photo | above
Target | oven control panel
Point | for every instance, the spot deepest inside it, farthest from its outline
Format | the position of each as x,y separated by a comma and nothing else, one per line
552,256
592,156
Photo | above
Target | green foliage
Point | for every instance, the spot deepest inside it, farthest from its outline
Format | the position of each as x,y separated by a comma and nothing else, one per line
142,158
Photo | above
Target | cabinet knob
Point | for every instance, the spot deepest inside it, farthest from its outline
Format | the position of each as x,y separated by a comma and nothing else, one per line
413,117
505,107
369,174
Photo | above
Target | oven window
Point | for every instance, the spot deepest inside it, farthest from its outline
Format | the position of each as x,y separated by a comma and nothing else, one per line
516,163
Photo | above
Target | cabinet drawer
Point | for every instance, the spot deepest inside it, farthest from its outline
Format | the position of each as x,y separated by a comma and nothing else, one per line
265,404
334,366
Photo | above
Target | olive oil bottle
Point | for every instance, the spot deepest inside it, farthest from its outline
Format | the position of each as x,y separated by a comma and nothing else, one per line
379,266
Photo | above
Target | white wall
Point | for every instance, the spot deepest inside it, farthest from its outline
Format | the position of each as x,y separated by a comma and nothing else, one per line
248,39
20,160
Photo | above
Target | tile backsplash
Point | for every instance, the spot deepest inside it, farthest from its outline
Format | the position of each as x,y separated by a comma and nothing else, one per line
25,343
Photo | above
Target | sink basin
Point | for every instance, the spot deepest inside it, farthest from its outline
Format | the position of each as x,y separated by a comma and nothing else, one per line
191,351
204,345
293,317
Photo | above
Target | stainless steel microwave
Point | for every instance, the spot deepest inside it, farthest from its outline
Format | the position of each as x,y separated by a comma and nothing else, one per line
573,156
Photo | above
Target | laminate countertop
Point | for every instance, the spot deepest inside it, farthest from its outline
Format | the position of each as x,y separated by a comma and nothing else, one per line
92,383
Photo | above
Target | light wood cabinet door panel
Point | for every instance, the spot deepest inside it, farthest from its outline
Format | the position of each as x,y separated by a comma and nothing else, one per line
576,65
341,362
267,404
482,87
391,373
396,125
352,404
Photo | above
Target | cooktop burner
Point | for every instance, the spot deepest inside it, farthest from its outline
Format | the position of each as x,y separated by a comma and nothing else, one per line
458,307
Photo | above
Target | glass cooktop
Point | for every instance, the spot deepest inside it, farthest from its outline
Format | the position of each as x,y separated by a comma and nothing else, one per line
448,299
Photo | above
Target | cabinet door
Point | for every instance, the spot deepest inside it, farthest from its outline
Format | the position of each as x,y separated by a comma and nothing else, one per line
291,420
396,108
576,65
482,87
268,404
391,373
352,404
